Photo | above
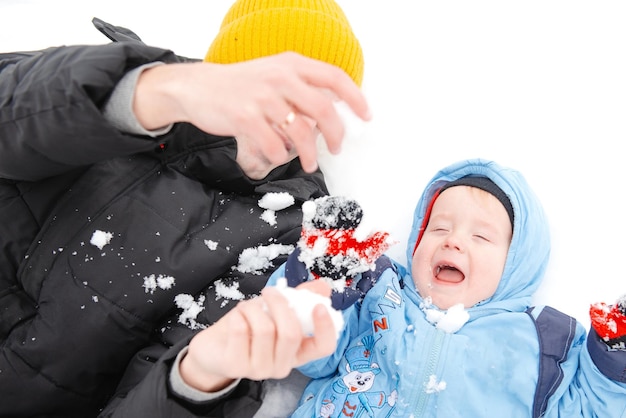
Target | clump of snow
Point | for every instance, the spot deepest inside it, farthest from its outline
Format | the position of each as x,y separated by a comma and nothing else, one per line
152,282
302,301
449,321
231,292
100,238
191,309
273,202
276,201
211,245
257,259
433,386
269,216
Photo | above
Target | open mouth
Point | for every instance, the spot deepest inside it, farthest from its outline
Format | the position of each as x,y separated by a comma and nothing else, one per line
449,273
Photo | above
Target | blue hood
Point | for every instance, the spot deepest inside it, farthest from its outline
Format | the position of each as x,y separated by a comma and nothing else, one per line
530,246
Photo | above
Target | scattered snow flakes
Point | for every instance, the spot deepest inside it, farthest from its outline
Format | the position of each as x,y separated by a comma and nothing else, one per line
212,245
100,238
191,308
151,282
255,260
433,386
273,202
95,298
158,259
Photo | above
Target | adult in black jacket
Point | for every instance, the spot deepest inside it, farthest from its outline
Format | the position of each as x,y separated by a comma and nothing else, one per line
130,183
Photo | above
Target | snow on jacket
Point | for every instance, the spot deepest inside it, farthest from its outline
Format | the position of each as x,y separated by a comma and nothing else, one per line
172,215
392,362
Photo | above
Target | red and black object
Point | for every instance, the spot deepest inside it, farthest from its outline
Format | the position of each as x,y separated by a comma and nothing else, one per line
609,322
330,248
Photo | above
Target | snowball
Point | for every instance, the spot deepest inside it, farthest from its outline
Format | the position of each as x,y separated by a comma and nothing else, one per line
100,238
302,301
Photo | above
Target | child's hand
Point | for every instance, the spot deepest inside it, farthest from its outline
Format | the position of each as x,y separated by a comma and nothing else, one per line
609,322
330,248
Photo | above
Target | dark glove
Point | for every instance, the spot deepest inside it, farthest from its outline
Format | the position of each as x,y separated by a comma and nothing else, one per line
328,249
609,322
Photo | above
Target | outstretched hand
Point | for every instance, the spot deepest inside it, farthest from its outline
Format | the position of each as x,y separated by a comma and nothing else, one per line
260,338
275,106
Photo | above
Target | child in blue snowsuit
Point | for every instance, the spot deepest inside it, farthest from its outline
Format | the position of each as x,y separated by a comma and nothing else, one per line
454,333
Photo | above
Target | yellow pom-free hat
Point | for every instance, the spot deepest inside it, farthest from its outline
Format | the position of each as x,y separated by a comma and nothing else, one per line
318,29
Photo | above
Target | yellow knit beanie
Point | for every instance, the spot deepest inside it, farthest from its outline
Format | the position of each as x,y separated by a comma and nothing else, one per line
318,29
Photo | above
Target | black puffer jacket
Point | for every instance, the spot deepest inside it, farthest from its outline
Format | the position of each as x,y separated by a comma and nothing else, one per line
80,325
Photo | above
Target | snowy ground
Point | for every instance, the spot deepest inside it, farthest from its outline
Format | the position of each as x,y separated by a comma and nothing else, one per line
536,85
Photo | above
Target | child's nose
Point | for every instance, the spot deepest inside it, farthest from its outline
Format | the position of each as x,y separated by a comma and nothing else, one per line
453,242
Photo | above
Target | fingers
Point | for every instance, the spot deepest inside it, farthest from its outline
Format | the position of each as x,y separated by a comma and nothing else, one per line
259,339
288,332
324,339
279,104
299,104
312,93
276,343
270,346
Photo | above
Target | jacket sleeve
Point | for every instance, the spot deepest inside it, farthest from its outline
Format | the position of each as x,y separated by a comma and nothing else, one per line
153,397
592,384
50,107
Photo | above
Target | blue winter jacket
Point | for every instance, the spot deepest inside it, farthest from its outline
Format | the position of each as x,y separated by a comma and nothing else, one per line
391,362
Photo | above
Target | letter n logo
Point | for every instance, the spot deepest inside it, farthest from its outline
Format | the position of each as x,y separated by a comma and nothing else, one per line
380,324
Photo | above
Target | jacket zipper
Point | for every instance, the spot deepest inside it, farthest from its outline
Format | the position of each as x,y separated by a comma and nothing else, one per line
429,369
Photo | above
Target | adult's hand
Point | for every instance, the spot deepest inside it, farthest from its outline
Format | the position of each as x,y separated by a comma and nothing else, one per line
273,105
260,338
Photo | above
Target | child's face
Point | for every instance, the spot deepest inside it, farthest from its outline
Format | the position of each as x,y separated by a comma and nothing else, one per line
462,253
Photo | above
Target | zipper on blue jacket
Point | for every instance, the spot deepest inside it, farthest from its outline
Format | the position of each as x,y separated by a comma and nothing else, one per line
430,367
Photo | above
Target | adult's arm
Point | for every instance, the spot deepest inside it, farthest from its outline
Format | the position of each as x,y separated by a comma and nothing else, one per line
154,397
51,102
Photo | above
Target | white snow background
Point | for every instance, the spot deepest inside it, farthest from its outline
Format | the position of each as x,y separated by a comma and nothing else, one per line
536,85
